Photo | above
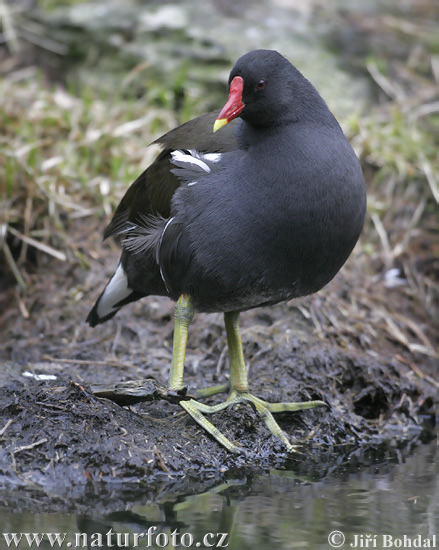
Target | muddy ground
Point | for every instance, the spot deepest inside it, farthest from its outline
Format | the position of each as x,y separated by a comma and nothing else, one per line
59,439
366,344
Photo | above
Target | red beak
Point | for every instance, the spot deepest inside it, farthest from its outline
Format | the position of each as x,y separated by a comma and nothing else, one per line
234,105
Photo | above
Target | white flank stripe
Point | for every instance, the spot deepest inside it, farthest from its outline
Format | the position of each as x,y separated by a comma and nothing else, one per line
179,156
212,157
116,290
158,251
164,229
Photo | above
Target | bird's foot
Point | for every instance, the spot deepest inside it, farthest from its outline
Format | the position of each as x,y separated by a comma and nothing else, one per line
263,408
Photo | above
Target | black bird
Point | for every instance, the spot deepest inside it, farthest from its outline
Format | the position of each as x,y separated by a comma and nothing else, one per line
265,210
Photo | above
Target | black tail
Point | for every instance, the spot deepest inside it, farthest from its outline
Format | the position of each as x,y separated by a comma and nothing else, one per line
93,317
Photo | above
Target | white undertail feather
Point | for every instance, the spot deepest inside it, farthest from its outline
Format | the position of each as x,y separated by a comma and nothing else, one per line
115,291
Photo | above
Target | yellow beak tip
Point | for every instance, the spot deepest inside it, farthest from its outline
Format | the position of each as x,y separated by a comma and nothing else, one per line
219,123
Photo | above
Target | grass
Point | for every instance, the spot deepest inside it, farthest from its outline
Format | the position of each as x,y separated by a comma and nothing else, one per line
63,158
68,156
399,151
48,5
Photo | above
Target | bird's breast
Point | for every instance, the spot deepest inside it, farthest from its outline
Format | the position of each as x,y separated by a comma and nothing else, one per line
270,229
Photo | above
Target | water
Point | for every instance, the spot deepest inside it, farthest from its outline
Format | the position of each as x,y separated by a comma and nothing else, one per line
279,509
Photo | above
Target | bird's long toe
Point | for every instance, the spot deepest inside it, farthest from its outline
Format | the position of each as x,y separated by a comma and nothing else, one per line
265,410
193,407
212,390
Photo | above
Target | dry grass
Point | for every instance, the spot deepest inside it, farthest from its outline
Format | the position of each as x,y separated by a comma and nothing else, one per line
65,158
391,287
62,158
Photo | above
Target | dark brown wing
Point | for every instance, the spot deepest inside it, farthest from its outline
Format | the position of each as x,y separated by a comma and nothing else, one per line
152,192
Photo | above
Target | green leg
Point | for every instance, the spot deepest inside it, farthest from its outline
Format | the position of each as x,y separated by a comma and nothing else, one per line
183,315
239,389
238,383
238,374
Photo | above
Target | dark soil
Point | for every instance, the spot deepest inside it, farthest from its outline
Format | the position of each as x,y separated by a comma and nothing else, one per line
58,437
365,345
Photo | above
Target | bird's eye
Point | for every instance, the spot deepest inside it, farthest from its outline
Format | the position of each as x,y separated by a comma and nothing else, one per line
261,84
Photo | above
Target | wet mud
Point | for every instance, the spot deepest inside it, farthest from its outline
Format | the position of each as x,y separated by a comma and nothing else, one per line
59,438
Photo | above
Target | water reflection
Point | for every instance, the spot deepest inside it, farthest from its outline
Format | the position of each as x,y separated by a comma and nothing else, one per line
280,509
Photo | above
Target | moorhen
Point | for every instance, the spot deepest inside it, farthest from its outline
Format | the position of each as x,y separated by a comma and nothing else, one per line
265,210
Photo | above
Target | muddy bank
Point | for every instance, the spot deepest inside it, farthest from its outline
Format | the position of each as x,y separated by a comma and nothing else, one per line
367,344
59,438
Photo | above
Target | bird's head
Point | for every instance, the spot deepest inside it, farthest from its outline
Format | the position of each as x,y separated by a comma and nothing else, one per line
265,89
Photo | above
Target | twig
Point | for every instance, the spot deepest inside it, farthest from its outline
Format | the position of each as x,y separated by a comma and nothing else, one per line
427,109
6,426
41,246
8,27
31,446
51,406
27,227
383,236
432,180
13,266
22,306
43,42
400,247
160,459
417,371
414,327
417,348
384,83
85,362
134,72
